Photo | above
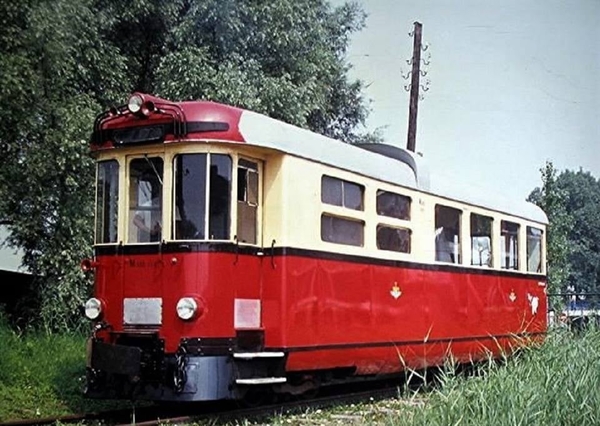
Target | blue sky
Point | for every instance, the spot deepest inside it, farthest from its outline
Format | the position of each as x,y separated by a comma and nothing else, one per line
513,83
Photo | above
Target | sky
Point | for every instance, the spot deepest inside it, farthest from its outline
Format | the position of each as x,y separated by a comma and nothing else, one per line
513,83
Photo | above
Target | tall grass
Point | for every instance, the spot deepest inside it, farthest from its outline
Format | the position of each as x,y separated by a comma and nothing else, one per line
41,374
556,384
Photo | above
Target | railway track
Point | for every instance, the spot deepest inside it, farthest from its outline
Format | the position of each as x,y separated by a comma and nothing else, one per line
220,412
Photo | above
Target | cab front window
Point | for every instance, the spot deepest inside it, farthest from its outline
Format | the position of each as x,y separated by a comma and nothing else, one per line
202,197
145,200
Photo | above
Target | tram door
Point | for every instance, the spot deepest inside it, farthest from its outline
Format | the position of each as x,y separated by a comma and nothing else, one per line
247,315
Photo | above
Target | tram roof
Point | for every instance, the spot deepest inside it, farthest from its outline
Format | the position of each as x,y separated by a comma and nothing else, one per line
257,129
260,130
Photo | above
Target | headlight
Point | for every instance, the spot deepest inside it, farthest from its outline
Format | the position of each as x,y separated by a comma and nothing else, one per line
135,103
186,308
93,308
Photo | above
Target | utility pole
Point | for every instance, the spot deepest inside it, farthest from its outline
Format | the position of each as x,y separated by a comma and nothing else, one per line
414,88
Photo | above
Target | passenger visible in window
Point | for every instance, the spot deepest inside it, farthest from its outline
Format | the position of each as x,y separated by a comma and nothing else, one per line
447,234
446,244
147,221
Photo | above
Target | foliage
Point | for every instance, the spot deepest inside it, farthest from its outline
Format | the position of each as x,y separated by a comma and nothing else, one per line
572,202
582,204
552,199
63,61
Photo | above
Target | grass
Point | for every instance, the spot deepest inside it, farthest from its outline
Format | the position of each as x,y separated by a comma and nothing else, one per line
553,385
42,375
557,384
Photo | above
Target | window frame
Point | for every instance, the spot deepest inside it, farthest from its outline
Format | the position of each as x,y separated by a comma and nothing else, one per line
490,262
503,246
252,165
441,236
117,202
207,220
540,269
343,184
130,226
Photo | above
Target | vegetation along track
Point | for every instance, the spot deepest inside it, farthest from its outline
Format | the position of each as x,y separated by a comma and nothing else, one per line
221,411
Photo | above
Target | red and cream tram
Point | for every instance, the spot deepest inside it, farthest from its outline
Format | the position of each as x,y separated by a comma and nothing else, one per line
235,252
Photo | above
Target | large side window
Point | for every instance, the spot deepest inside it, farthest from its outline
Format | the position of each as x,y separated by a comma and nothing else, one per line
202,178
342,193
107,202
393,238
342,231
145,199
534,249
247,201
509,244
481,240
393,205
447,234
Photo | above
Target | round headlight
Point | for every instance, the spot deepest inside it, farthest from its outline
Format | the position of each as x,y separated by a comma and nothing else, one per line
93,308
186,308
135,104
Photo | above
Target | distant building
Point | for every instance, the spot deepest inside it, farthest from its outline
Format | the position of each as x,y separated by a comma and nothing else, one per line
15,280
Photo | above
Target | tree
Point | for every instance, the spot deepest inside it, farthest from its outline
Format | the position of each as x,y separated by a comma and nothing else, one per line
582,203
63,61
572,203
551,198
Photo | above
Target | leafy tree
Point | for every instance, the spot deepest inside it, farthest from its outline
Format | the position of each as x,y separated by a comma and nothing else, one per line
551,198
52,81
572,202
63,61
582,203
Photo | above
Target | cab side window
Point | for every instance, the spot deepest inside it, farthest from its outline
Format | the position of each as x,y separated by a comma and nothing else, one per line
534,249
247,201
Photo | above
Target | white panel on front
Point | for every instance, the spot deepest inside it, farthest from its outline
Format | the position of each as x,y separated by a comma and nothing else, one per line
246,313
143,311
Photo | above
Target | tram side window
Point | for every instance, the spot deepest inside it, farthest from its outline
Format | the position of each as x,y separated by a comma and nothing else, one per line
107,202
191,192
509,244
393,205
342,231
342,193
534,249
393,239
145,199
447,234
247,201
481,240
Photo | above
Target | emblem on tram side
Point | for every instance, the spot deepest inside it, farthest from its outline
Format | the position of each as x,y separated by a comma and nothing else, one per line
512,296
395,291
534,301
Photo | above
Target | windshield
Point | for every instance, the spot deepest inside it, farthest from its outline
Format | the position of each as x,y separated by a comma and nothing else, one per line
107,202
145,200
202,197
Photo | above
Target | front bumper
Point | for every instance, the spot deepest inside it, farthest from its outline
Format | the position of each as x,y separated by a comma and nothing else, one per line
117,371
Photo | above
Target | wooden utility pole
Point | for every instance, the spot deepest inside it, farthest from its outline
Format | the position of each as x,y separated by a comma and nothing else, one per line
414,88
